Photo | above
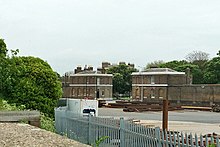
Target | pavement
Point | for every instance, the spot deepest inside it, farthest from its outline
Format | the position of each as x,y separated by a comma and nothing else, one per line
199,122
186,127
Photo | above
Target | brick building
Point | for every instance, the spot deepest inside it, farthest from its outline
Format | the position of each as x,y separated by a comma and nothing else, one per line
158,83
86,83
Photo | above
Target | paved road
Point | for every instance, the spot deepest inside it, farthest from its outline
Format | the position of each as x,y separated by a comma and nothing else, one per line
183,115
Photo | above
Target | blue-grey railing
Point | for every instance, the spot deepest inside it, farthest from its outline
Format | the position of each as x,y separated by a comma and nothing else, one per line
123,133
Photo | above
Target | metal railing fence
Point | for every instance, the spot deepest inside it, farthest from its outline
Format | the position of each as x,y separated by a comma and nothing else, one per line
123,133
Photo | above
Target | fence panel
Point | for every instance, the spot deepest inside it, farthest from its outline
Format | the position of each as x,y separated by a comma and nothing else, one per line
122,133
173,139
105,127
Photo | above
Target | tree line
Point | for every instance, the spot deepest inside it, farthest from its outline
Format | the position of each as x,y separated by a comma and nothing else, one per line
31,82
28,81
202,69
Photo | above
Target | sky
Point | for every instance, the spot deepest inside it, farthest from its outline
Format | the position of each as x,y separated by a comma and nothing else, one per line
71,33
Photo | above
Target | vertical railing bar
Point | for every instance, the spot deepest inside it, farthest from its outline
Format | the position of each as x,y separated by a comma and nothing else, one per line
151,136
122,122
89,130
206,140
196,140
182,138
212,139
191,140
157,137
170,138
201,140
144,138
217,142
178,139
174,138
187,140
166,135
163,138
138,135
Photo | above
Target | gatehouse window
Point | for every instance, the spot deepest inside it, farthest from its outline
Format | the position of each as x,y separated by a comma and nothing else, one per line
161,93
152,93
152,80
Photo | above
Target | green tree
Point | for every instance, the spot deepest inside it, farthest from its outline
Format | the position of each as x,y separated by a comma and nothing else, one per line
3,48
121,78
154,64
33,83
28,81
173,64
197,56
181,66
212,72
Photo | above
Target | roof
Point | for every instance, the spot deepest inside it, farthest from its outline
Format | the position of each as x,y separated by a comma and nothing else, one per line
159,71
91,74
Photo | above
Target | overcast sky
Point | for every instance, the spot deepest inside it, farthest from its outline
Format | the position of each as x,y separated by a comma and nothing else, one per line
68,33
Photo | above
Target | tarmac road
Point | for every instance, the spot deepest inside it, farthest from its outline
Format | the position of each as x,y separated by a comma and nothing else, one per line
182,115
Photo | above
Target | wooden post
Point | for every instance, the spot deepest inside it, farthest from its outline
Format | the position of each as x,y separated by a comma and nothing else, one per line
165,114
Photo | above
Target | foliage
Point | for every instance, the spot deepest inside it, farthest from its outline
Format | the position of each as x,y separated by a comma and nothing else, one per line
202,69
173,64
47,123
3,48
100,140
5,106
197,56
154,64
121,78
196,72
182,66
29,81
212,145
212,72
33,83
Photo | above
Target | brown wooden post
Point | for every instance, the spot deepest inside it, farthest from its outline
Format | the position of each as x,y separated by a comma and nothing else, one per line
165,111
165,114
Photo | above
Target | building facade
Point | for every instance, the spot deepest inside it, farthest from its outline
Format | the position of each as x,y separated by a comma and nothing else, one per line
160,83
87,84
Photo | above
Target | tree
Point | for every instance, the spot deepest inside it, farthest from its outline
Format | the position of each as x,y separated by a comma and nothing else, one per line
195,71
212,72
181,66
173,64
122,82
3,48
196,56
28,81
33,83
218,53
154,64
